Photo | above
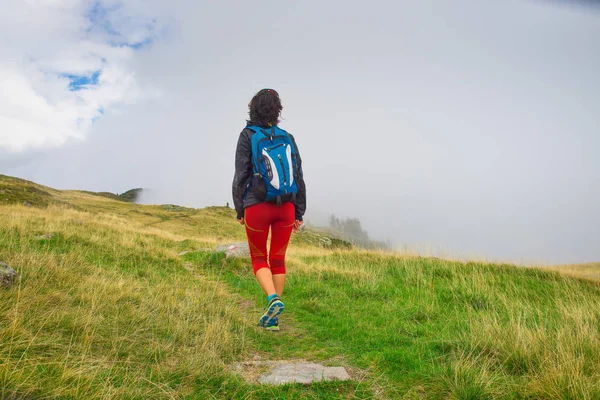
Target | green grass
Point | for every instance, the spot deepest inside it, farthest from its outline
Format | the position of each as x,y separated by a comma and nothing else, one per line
106,308
457,330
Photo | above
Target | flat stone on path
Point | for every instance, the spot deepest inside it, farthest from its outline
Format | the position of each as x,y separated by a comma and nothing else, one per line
303,373
284,372
240,249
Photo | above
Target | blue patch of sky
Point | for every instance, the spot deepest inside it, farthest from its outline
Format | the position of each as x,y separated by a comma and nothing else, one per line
100,114
98,16
134,46
78,82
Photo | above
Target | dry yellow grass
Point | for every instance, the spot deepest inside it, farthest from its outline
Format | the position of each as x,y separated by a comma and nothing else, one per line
589,271
105,306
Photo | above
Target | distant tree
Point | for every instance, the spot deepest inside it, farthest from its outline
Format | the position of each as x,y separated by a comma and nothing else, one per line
351,229
334,223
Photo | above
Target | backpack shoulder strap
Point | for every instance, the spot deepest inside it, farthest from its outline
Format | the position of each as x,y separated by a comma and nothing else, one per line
278,131
282,132
258,134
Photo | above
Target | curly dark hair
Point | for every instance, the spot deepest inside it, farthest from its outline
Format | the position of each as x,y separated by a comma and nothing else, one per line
265,108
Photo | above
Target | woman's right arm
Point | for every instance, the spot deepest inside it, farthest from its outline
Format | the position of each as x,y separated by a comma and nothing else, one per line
243,172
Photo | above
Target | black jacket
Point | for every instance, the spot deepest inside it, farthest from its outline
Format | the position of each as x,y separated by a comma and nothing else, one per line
243,175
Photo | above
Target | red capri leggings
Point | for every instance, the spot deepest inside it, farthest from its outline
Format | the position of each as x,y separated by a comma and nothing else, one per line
258,219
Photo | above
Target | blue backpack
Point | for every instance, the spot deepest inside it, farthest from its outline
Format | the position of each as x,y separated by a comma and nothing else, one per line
273,160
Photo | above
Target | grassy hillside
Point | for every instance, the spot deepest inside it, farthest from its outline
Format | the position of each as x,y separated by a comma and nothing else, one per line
106,308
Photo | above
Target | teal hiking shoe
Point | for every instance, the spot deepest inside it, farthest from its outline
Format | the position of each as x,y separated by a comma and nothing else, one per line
272,311
273,325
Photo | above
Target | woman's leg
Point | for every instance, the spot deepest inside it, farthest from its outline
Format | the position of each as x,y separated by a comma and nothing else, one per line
281,230
257,219
279,283
266,281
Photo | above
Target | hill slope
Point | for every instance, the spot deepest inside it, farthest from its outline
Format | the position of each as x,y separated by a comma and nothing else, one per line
106,308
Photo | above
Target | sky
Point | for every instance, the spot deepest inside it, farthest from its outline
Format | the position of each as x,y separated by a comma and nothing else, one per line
461,128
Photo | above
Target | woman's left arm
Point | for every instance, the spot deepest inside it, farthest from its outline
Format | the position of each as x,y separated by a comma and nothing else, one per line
300,202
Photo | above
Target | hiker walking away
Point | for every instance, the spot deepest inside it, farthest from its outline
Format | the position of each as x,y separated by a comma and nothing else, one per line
268,193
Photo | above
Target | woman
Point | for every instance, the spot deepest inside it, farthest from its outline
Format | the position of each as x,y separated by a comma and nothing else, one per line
269,194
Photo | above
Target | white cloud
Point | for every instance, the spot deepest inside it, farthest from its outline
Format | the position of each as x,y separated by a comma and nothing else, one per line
47,47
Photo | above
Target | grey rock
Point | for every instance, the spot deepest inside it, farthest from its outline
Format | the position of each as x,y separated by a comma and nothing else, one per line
303,373
235,250
8,276
46,236
27,204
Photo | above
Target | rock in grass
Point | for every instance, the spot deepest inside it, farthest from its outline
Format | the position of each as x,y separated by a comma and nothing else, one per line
305,373
27,204
47,236
8,276
235,250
